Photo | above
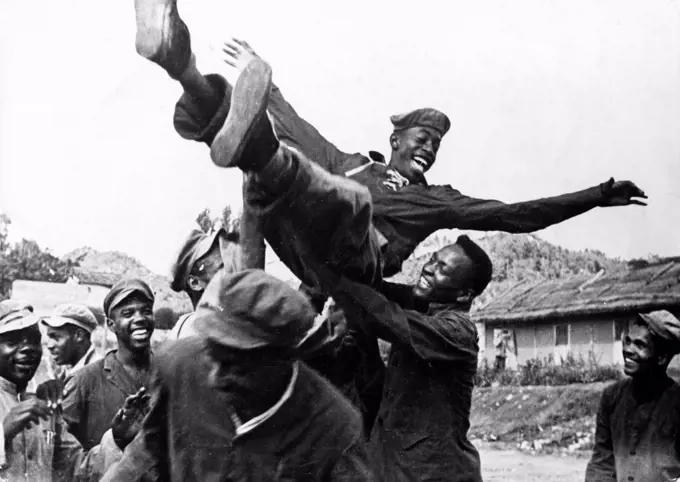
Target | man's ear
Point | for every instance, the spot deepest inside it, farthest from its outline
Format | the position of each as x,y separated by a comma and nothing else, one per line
663,359
195,284
111,324
394,141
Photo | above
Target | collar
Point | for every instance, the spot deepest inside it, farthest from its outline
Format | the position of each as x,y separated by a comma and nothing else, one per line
84,360
250,425
8,387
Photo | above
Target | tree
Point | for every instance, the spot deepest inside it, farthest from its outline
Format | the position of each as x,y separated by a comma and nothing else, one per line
209,223
26,260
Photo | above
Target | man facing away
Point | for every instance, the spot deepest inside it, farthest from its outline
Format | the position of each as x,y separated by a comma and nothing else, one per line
35,445
101,388
236,403
68,330
638,422
405,209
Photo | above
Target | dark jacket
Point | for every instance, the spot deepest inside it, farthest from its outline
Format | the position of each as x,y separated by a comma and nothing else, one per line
316,435
421,430
94,396
636,436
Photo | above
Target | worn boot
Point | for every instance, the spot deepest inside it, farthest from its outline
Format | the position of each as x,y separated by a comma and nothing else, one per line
162,36
247,139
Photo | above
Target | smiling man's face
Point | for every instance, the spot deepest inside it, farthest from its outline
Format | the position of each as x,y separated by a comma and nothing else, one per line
640,355
20,353
414,150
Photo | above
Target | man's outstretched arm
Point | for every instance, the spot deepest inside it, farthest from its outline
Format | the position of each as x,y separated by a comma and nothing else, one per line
442,207
290,127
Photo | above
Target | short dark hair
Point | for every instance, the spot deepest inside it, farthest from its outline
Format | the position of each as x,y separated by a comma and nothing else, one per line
482,262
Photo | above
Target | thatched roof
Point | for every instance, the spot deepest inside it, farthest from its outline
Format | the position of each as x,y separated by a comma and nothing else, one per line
650,287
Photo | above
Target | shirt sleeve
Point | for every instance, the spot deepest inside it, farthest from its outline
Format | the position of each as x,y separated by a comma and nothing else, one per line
432,338
73,407
73,463
442,207
147,453
601,467
354,465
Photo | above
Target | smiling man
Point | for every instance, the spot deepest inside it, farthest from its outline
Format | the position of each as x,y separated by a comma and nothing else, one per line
100,389
35,445
637,436
420,433
68,331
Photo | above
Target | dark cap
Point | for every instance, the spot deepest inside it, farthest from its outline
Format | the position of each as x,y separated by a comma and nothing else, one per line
123,290
425,117
252,309
16,315
664,325
196,245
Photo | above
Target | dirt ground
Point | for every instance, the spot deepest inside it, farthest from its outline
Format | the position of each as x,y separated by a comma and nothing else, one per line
515,466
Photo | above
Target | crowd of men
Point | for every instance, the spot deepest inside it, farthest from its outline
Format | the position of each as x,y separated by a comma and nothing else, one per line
263,382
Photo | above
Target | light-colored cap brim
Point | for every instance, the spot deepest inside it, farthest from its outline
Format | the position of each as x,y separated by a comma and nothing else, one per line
59,321
20,323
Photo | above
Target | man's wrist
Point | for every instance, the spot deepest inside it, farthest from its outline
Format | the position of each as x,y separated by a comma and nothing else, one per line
606,188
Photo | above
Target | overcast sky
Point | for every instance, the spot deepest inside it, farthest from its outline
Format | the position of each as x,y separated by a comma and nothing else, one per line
544,97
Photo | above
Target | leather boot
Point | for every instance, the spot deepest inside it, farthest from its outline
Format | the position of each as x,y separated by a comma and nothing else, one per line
247,139
162,36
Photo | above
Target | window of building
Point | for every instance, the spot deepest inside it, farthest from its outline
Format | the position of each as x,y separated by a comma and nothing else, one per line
561,335
620,329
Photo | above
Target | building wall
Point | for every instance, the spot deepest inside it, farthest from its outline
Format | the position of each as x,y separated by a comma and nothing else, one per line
585,335
45,296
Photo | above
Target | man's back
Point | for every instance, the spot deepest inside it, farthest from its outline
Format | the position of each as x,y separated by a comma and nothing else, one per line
314,435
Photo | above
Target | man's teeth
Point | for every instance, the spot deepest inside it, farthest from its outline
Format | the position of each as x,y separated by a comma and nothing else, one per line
423,284
419,160
140,333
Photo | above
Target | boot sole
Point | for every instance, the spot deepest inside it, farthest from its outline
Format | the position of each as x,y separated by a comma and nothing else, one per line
249,101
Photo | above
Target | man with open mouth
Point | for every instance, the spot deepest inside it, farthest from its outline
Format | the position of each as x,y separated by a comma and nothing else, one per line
100,389
35,445
637,436
69,329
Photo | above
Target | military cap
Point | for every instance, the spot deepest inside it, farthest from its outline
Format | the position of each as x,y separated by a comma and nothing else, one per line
664,325
252,309
16,315
196,245
72,314
123,290
425,117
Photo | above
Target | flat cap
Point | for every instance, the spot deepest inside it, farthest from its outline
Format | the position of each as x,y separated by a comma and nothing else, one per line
123,290
252,309
195,246
16,315
425,117
72,314
664,325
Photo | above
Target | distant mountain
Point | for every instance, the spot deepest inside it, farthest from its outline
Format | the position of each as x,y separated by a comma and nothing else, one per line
515,257
119,265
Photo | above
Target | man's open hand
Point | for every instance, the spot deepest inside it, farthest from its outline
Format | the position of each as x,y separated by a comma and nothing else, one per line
128,420
238,54
624,193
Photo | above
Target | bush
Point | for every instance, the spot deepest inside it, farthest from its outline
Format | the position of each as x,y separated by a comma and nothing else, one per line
546,372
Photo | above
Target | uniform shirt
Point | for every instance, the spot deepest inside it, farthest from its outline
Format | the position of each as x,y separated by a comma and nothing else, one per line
47,451
89,357
311,434
184,327
636,436
96,393
421,430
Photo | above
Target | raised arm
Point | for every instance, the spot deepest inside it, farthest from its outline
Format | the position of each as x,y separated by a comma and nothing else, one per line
290,128
436,338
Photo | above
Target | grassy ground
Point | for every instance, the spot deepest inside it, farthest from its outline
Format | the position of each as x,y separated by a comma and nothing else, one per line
543,418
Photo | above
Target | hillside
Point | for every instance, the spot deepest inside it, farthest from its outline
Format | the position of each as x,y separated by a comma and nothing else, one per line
515,257
121,265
